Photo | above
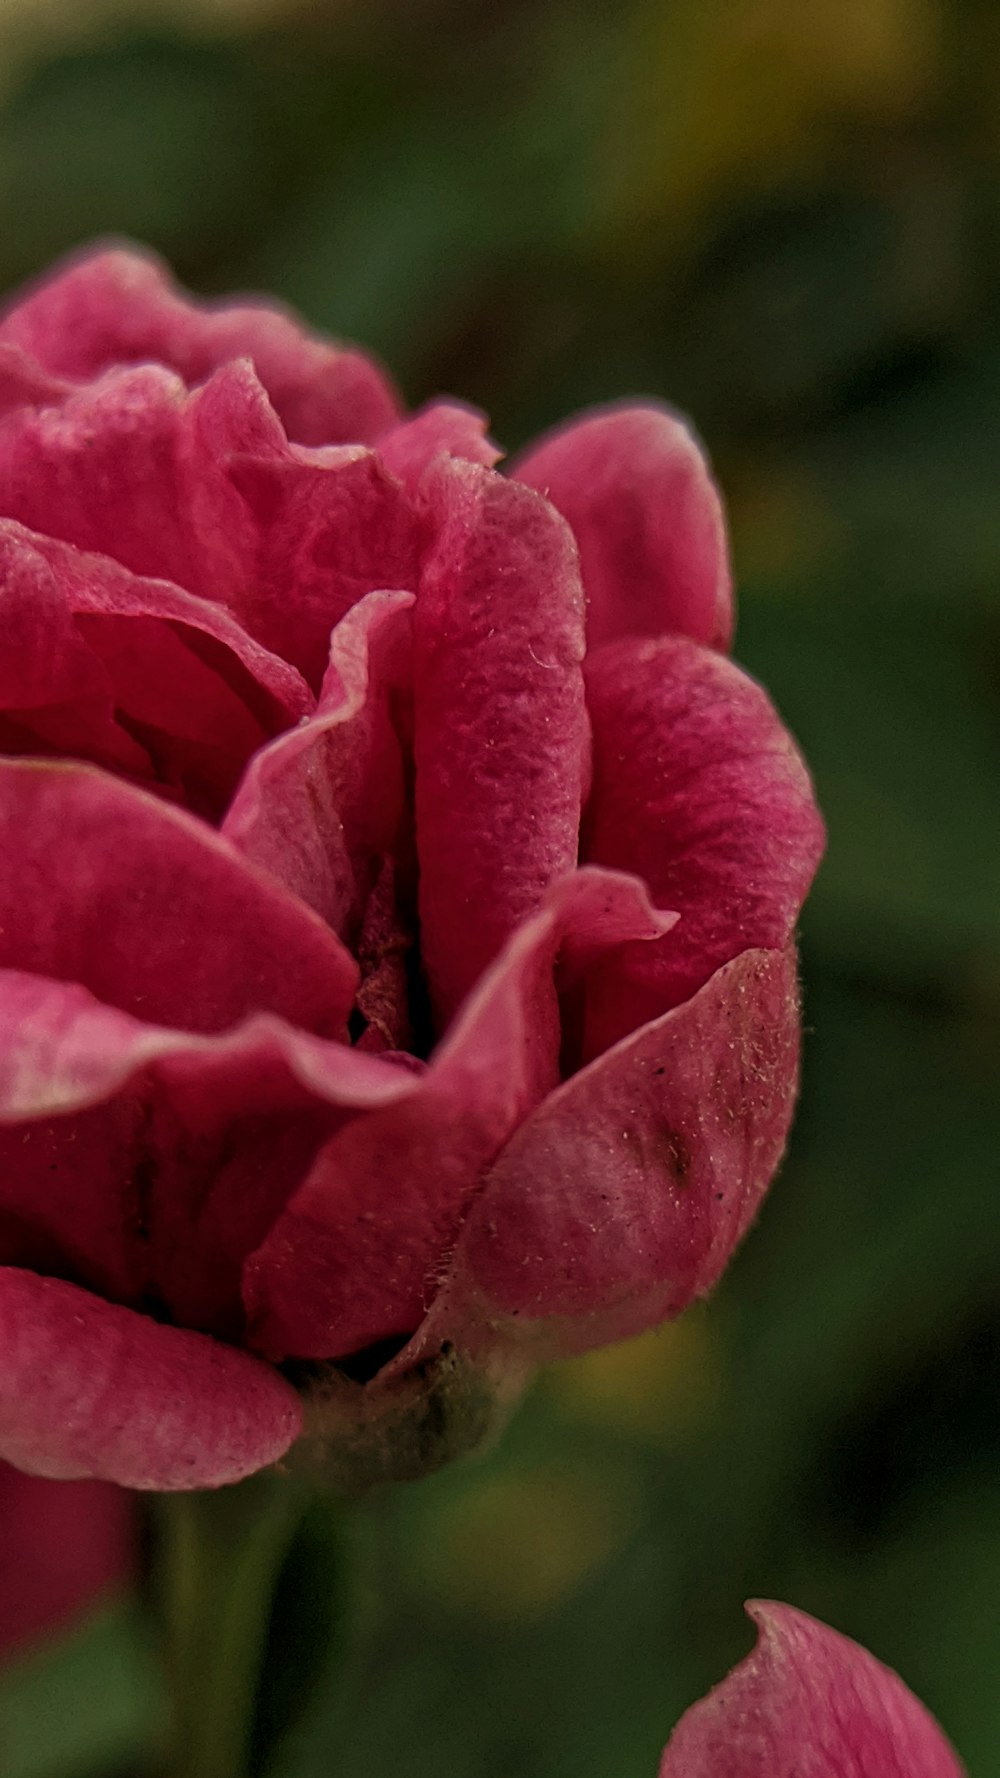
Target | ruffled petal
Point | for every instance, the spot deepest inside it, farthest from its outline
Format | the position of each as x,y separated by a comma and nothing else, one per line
203,489
133,675
91,1389
323,805
442,428
119,306
808,1703
624,1194
323,527
501,736
103,885
63,1546
700,790
119,468
357,1255
639,495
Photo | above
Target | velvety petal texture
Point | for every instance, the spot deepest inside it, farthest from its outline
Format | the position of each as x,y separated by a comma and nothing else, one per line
700,790
620,1199
638,492
88,1388
808,1703
64,1548
398,892
103,885
501,739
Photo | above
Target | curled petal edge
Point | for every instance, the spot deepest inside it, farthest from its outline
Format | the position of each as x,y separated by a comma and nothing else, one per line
88,1388
807,1701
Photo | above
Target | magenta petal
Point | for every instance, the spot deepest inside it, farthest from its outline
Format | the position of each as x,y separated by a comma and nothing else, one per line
118,306
638,492
23,382
119,468
323,804
203,489
808,1703
91,1389
61,1050
501,730
147,1163
63,1546
358,1253
152,912
700,790
132,674
623,1196
319,528
442,428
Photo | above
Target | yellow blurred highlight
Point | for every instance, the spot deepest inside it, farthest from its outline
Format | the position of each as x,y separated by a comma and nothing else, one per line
722,94
517,1545
661,1387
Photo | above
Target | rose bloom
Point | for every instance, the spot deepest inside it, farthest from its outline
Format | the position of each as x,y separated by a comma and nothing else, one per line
61,1549
808,1703
397,894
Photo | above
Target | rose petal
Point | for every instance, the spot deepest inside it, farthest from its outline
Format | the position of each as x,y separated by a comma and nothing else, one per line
145,906
131,674
91,1389
357,1254
63,1546
323,805
639,495
622,1197
205,491
808,1703
23,382
501,730
118,306
442,428
318,529
700,790
147,1163
119,468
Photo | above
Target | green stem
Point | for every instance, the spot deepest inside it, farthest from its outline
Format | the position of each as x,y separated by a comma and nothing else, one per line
221,1555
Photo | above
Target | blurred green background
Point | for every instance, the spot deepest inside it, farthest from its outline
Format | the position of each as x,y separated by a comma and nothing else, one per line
784,218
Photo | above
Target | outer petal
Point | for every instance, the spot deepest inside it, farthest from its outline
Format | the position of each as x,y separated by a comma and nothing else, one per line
808,1703
442,428
323,805
501,731
147,1163
639,494
62,1546
700,790
102,885
132,674
357,1255
118,306
623,1196
90,1389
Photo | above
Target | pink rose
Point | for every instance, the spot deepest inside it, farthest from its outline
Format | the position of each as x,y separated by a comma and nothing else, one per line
808,1703
390,983
61,1549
